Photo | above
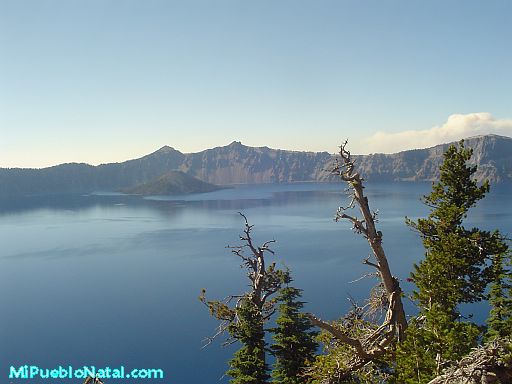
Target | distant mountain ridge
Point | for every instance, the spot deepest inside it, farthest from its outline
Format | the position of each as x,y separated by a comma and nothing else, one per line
237,163
491,153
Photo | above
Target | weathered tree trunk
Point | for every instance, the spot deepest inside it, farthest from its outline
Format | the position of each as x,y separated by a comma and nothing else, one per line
377,342
374,237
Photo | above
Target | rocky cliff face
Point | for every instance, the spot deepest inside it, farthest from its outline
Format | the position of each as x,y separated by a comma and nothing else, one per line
492,154
237,163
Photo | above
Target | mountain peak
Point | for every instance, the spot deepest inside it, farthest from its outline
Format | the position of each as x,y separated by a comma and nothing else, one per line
166,149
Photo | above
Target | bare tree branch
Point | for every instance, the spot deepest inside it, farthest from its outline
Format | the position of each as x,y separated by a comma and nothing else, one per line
367,262
339,334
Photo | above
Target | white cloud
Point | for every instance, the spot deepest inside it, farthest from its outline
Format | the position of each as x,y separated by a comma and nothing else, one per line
455,128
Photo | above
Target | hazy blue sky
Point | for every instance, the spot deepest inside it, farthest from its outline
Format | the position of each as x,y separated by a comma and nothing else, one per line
98,81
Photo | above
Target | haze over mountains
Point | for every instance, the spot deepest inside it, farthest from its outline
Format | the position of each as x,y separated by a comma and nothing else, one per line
237,163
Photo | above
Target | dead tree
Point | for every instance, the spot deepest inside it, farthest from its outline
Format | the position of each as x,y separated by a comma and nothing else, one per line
378,340
265,281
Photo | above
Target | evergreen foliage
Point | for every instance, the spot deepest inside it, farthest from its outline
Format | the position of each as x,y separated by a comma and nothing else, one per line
457,269
433,341
454,270
248,365
500,298
294,342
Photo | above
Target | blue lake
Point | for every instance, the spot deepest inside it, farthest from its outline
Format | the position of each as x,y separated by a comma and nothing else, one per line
110,280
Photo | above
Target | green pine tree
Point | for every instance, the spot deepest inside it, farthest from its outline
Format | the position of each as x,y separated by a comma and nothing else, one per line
294,342
500,317
433,340
456,269
248,365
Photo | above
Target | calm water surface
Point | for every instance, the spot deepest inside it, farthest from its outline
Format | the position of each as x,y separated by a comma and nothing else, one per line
111,280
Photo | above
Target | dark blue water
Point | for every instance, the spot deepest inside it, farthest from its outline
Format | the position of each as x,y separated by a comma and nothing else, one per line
111,280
